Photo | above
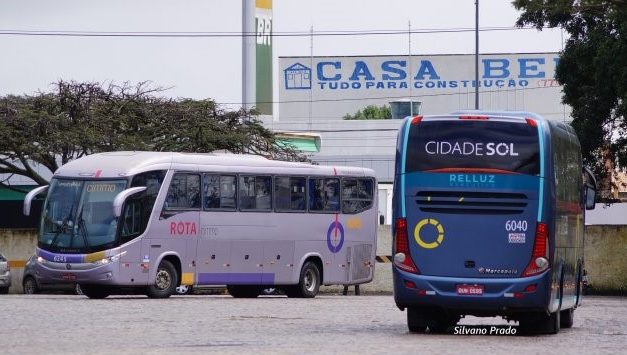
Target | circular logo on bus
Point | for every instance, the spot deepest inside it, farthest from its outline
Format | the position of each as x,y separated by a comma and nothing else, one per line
419,237
335,236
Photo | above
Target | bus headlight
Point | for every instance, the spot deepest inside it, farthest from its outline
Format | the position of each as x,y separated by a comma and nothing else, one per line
40,260
110,259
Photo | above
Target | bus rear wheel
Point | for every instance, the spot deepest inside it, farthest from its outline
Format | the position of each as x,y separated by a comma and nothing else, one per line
309,282
96,291
416,320
567,318
166,281
541,323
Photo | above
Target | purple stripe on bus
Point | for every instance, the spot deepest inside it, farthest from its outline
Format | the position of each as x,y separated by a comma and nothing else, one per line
61,258
235,278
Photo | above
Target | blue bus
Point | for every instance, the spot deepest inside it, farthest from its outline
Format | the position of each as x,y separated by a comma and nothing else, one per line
488,215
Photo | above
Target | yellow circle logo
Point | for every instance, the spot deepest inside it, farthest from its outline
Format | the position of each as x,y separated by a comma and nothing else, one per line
437,241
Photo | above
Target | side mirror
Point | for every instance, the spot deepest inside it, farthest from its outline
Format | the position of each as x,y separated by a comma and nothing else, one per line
589,189
29,198
590,197
119,199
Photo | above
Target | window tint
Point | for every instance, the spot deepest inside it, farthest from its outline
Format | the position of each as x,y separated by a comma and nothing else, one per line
290,193
324,194
220,191
357,195
138,207
255,193
509,146
184,192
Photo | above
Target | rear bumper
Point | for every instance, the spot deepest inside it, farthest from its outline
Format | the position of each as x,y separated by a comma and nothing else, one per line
501,297
5,280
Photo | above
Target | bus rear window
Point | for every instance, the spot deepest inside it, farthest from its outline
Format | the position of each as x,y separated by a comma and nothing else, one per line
498,146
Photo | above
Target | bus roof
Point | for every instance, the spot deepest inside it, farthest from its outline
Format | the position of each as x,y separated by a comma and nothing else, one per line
500,115
128,163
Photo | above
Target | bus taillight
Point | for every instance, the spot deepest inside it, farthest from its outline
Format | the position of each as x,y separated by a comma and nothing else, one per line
475,117
402,256
540,256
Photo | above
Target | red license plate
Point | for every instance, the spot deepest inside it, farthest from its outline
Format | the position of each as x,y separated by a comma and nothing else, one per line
470,290
69,277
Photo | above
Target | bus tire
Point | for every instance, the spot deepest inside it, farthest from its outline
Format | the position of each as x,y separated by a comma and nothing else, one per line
96,292
243,291
567,318
308,284
440,322
166,281
416,321
541,323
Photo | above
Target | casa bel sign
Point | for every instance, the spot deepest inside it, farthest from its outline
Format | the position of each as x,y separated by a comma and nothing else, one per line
381,73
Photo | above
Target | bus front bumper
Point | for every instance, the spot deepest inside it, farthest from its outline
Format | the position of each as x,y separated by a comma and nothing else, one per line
87,273
500,296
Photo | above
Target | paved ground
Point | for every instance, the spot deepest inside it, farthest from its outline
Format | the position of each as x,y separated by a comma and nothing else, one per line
54,324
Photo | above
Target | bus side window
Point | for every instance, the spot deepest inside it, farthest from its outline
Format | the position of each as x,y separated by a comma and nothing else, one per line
357,195
219,192
138,208
324,194
290,193
184,192
255,193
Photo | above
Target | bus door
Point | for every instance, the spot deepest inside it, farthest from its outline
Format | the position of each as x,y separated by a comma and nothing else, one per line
471,196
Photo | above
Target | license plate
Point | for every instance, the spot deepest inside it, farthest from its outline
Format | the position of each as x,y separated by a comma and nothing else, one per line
69,277
470,290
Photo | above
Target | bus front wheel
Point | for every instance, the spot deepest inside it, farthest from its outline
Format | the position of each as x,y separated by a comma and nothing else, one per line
166,281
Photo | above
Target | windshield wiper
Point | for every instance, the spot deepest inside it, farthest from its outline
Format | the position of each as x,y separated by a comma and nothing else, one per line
63,227
83,227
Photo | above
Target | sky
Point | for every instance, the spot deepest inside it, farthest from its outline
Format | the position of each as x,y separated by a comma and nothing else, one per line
210,67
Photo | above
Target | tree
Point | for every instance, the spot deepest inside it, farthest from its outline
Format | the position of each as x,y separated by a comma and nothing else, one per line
77,119
371,112
593,70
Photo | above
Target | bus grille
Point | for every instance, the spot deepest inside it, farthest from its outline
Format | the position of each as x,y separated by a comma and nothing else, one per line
467,202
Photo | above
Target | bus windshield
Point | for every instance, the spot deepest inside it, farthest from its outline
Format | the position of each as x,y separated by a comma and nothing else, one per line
456,145
78,215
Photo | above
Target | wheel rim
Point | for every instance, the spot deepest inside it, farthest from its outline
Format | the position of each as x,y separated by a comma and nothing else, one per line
310,280
183,289
163,279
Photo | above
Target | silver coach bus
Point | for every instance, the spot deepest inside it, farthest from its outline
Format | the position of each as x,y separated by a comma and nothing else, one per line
151,221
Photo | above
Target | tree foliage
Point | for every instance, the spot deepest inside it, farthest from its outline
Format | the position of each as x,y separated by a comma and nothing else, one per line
76,119
371,112
593,71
